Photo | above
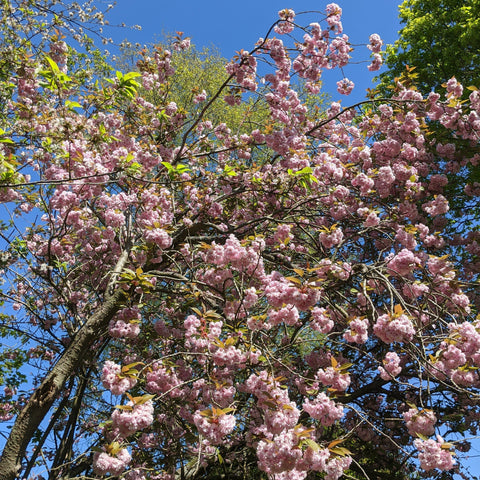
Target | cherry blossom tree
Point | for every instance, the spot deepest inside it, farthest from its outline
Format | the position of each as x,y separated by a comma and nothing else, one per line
285,303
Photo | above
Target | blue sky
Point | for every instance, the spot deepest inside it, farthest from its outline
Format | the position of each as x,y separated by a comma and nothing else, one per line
231,26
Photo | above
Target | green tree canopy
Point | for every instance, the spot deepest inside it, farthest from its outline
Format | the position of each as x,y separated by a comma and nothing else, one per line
440,38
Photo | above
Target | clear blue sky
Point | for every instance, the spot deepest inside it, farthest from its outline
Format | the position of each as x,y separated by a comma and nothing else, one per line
234,25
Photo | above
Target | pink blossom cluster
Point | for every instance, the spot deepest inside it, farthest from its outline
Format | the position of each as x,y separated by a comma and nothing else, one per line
229,356
136,474
433,455
454,88
406,239
327,269
288,315
286,26
467,338
438,206
200,97
440,267
336,467
182,44
403,263
161,379
279,292
283,458
394,328
214,427
219,393
331,238
321,320
323,409
239,257
104,463
391,366
334,14
357,331
244,71
345,86
420,421
126,325
286,107
6,412
377,62
280,454
364,182
334,377
375,43
114,380
283,235
279,412
459,355
58,53
339,51
132,418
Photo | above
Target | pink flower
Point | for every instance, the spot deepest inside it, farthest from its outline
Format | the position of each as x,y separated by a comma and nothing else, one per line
420,421
391,366
114,380
364,182
454,88
376,62
323,409
358,331
282,418
201,97
130,421
182,44
403,263
375,43
287,25
121,329
331,238
336,466
433,455
345,86
334,378
214,426
6,412
280,454
334,15
104,463
288,315
321,320
438,206
394,329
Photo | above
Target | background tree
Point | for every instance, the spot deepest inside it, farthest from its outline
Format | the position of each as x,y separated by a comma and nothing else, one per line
439,39
280,302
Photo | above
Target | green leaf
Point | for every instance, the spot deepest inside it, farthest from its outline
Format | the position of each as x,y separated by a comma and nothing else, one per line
228,170
143,399
71,104
131,75
52,65
311,444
